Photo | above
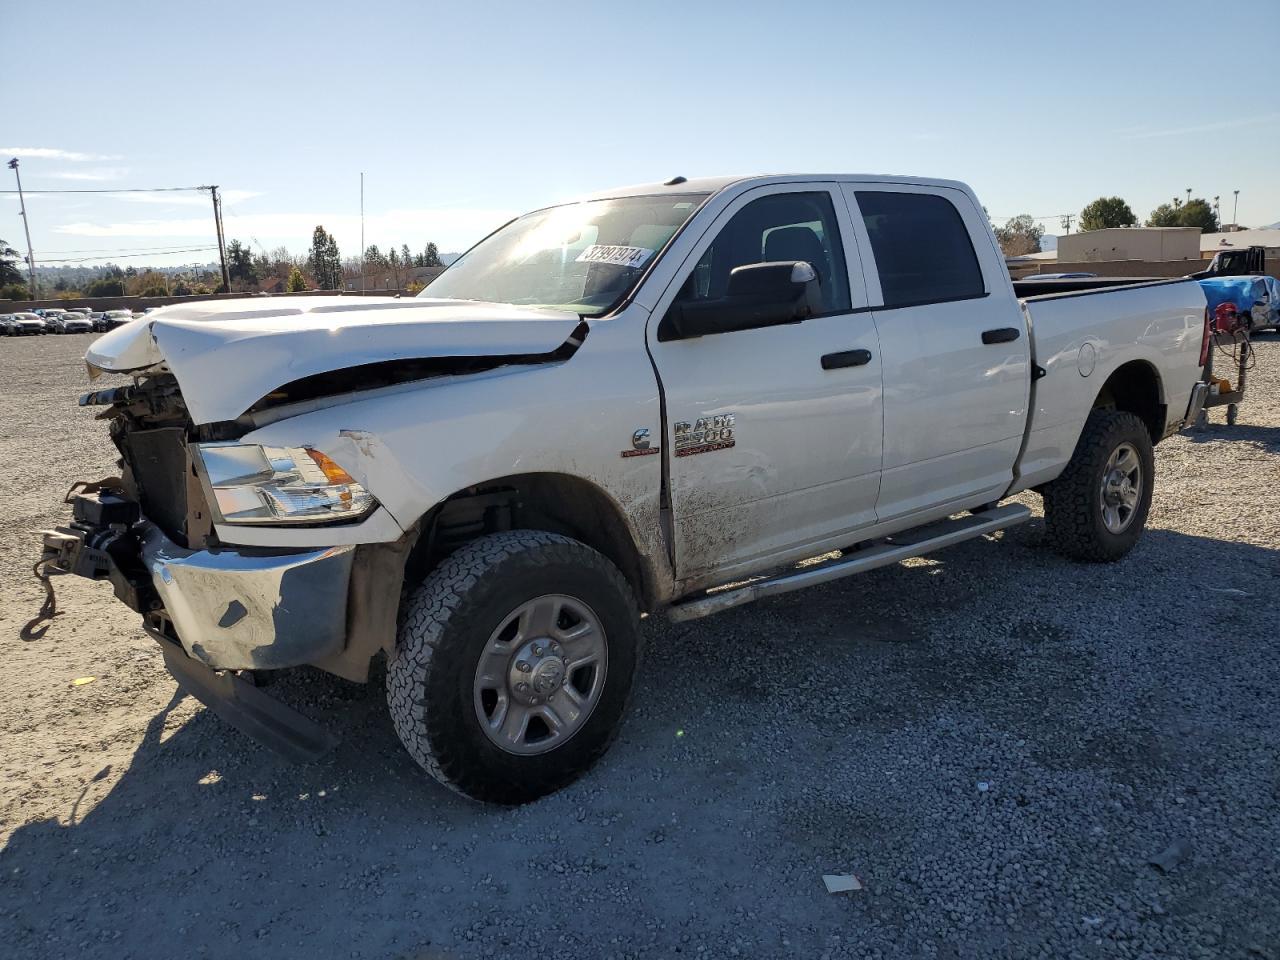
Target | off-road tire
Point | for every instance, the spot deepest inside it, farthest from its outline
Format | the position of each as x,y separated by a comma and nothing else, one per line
1073,501
446,623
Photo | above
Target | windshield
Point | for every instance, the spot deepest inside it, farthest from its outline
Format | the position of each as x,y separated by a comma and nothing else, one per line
584,257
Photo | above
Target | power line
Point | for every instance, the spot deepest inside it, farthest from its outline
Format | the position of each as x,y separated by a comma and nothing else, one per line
164,249
119,190
124,256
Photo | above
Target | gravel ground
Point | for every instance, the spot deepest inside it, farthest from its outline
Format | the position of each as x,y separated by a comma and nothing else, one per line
996,741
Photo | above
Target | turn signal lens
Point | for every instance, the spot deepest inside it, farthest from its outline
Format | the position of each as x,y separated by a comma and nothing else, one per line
333,473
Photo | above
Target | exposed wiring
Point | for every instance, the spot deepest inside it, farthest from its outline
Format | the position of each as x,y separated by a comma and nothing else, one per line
1240,351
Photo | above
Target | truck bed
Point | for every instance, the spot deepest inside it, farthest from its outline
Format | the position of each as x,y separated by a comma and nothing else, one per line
1084,330
1034,287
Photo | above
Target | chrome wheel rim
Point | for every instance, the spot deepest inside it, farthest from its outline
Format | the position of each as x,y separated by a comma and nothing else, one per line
540,675
1121,488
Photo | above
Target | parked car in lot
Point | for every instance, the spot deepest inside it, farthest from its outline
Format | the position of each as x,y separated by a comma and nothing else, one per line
117,318
8,325
668,398
30,324
75,322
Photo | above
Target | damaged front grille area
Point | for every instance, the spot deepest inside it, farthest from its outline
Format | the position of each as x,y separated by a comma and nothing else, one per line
159,464
151,429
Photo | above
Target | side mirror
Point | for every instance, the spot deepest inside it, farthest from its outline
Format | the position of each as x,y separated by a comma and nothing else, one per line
759,295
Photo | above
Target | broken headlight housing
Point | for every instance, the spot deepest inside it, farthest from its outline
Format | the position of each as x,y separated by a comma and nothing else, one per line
251,483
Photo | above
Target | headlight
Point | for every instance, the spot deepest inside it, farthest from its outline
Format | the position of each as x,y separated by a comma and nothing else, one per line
249,483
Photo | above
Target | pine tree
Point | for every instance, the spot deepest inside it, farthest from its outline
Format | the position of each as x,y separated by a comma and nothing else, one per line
324,261
334,264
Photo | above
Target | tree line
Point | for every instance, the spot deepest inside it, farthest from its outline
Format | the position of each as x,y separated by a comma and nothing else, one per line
1022,234
322,267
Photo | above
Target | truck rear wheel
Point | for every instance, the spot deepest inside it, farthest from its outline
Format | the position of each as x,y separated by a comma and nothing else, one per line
513,666
1096,509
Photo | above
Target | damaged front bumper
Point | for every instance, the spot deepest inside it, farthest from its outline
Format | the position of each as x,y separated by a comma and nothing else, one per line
217,612
234,610
241,609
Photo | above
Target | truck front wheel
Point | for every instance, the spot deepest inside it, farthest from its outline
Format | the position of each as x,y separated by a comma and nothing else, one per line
1096,509
513,665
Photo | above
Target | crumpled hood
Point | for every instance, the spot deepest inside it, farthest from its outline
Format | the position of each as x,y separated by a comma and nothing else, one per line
228,354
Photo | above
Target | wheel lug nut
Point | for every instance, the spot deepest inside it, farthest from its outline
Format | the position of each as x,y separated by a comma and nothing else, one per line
522,667
537,651
522,687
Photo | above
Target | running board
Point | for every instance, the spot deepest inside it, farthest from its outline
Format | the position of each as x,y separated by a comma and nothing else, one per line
902,546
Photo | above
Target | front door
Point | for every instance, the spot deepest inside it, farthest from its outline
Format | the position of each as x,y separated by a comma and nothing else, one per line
771,449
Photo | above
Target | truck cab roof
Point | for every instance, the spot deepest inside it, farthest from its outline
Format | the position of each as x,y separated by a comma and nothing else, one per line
712,185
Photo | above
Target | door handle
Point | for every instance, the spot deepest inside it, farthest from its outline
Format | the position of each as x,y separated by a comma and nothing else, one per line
846,358
1001,335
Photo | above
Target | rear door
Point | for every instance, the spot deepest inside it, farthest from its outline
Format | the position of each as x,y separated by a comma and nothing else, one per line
953,344
771,447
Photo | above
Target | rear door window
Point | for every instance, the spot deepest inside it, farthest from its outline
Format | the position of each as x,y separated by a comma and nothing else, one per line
922,248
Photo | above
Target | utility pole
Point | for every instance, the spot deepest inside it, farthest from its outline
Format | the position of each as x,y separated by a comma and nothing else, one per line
222,246
362,231
1235,208
22,204
1217,213
1066,221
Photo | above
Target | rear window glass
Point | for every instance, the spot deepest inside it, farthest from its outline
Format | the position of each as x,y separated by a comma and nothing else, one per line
922,248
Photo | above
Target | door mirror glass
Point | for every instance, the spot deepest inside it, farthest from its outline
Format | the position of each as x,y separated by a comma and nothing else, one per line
757,295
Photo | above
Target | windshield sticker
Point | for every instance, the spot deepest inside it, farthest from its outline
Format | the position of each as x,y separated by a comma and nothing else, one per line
618,256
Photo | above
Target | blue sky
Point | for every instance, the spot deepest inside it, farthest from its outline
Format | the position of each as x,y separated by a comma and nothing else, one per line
463,114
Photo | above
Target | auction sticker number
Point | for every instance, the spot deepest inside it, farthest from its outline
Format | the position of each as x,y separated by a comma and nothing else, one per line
617,255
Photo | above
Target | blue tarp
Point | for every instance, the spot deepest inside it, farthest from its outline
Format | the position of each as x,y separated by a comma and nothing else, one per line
1244,292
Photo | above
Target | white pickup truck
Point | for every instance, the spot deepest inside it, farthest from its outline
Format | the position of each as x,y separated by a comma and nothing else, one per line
662,398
